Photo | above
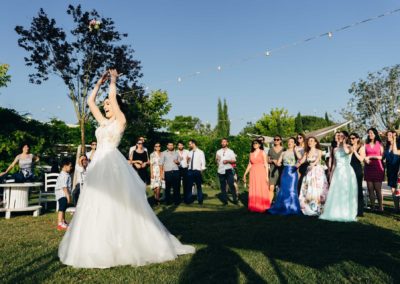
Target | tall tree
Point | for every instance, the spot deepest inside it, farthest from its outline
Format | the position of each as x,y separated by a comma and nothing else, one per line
4,77
298,122
227,122
375,101
92,45
328,121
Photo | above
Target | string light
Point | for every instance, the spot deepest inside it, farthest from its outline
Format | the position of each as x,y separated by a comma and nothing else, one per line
269,52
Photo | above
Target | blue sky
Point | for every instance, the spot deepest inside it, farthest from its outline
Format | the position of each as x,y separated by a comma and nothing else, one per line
176,38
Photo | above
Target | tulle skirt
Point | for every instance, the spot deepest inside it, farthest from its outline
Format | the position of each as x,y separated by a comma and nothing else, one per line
341,203
113,223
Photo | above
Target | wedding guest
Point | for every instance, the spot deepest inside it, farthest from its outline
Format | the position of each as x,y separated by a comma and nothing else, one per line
395,190
80,172
197,164
287,200
25,161
90,154
275,170
341,202
133,148
183,165
392,165
300,147
259,198
357,159
225,157
139,161
156,171
373,168
62,191
170,162
314,187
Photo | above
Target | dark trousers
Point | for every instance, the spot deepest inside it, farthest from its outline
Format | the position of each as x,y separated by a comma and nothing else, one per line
194,177
172,180
183,176
360,194
76,193
224,179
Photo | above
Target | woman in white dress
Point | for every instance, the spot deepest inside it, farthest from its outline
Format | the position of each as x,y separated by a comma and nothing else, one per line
114,224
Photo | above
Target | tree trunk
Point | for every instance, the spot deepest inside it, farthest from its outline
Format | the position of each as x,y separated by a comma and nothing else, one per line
82,126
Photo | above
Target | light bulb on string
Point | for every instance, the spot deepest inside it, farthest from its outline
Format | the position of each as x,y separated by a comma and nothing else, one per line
219,68
267,53
179,79
330,34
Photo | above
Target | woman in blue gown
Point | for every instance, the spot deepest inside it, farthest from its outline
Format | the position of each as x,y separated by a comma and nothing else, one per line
341,203
287,201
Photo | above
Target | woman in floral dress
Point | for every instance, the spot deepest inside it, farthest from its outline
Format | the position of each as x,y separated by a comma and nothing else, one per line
156,171
314,187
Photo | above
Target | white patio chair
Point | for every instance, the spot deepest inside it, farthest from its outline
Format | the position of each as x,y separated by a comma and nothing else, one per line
48,195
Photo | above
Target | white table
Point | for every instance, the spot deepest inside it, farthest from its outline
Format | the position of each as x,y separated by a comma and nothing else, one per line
16,198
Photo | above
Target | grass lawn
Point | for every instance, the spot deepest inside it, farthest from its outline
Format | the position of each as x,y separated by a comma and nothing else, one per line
233,246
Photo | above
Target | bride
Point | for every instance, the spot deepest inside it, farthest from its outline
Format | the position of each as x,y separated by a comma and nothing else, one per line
114,224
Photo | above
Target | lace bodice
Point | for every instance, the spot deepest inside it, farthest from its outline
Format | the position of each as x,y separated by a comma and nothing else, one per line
108,134
288,158
341,157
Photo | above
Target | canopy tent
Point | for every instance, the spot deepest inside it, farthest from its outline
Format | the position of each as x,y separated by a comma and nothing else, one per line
319,134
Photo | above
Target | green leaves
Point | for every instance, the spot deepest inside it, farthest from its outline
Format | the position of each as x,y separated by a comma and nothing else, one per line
375,101
4,77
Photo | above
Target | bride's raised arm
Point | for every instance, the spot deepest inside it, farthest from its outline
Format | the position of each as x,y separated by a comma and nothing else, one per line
92,99
112,96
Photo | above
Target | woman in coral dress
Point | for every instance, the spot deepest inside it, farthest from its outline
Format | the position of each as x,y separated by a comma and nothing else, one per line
259,198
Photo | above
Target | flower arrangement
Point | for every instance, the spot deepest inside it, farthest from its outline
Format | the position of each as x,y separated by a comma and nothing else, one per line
94,25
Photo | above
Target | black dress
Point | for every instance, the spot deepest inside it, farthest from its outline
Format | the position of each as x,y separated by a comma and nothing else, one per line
142,171
358,170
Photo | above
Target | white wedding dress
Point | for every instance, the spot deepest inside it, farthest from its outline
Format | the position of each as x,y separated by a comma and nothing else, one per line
113,223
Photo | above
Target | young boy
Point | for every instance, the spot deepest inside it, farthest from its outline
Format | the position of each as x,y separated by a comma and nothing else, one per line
62,191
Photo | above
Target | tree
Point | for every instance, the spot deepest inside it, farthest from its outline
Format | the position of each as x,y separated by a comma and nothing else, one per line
4,77
188,125
311,123
375,100
328,121
226,120
144,115
298,122
92,46
278,121
222,128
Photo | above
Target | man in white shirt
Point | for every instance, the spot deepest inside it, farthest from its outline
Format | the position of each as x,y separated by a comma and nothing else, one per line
197,164
225,157
183,164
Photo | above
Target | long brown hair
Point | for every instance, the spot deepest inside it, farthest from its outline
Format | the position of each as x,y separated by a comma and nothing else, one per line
317,146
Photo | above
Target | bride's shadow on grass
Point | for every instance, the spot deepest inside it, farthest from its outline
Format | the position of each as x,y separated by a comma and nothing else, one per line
300,240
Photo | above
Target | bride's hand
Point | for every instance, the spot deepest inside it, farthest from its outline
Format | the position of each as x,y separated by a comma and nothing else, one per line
114,74
103,78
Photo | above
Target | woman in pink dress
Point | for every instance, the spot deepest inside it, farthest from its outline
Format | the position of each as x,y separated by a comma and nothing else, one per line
373,168
259,200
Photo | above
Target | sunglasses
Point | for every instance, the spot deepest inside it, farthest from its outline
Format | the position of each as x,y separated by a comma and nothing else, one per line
277,139
139,143
299,137
352,138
